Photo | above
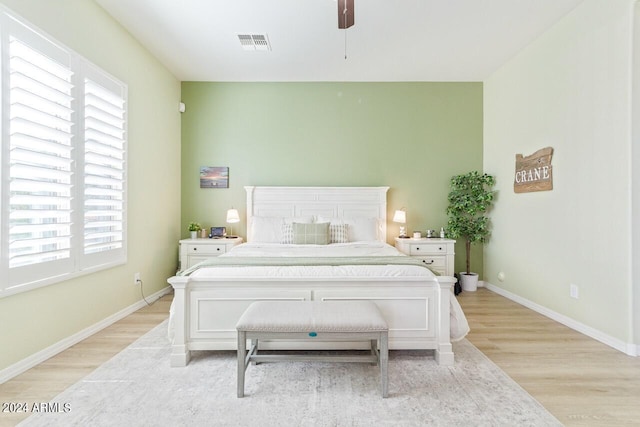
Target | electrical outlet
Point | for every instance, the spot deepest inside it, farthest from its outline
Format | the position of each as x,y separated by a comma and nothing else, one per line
573,290
136,279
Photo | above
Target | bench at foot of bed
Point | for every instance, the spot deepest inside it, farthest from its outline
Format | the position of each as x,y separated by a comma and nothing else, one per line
313,320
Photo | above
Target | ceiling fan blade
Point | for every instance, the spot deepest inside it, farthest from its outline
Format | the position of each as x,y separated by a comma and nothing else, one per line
345,18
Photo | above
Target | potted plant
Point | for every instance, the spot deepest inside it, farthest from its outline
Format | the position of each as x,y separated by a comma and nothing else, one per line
470,198
194,227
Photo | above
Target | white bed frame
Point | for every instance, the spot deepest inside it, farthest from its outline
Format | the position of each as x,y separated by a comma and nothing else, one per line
205,311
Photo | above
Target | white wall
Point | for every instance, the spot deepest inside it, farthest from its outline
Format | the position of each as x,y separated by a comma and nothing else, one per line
571,90
35,320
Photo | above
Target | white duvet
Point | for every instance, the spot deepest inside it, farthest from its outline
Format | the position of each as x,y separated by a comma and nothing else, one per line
357,249
459,325
334,249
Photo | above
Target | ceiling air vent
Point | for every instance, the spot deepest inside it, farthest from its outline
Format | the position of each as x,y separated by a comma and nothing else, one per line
254,42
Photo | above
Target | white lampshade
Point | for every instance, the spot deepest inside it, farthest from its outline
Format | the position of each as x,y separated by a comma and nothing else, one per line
233,216
400,217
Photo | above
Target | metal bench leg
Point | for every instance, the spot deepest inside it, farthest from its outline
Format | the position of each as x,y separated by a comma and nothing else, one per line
384,361
242,366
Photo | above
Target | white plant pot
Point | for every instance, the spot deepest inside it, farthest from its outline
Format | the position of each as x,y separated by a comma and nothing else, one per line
194,234
469,282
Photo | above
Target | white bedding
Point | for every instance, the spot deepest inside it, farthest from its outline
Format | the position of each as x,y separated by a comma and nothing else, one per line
333,249
358,249
459,325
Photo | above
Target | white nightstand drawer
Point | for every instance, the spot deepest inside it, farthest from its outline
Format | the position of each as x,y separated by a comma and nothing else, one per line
193,260
206,249
437,254
434,262
192,251
420,249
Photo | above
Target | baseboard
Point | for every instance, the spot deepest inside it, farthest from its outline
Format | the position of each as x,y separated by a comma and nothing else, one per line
627,348
39,357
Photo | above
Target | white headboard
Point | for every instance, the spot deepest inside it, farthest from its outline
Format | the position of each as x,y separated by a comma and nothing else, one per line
331,202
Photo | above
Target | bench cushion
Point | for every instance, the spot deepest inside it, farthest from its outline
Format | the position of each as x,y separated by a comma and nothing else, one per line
312,316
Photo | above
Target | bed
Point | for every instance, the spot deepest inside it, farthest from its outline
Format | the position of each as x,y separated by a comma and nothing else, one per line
314,244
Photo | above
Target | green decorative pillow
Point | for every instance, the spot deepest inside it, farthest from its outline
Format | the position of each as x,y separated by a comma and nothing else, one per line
339,233
311,234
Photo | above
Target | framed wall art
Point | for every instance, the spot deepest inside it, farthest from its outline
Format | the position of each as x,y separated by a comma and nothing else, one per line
214,177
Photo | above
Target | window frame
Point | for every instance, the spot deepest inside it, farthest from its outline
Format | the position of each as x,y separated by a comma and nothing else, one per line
14,280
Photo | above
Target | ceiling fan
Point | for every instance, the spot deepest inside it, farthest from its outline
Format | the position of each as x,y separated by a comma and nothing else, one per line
345,14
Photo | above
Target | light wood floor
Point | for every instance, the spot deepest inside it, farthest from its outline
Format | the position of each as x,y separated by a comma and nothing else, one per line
45,381
579,380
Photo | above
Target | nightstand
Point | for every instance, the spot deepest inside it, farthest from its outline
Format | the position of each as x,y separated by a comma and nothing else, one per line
192,251
438,254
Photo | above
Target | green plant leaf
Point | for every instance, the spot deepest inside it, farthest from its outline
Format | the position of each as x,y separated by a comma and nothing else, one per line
471,196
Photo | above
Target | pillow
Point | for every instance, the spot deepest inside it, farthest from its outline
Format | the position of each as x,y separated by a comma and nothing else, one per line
265,229
268,229
360,229
287,233
300,219
310,234
338,233
363,229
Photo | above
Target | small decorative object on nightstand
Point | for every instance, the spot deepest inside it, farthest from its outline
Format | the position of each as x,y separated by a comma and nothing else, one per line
436,253
192,251
194,227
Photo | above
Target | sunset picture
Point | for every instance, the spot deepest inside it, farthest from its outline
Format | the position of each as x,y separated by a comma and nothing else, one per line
214,177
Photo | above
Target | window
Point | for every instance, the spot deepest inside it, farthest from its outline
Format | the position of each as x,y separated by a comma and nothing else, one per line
63,154
104,161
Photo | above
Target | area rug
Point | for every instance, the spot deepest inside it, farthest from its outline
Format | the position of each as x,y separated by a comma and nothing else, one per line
137,387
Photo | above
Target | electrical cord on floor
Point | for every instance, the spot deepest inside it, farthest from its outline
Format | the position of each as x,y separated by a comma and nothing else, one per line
142,292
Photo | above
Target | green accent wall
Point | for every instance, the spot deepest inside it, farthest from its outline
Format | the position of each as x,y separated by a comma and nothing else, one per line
411,137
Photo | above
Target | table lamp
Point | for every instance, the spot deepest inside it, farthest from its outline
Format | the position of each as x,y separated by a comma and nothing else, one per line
232,217
401,217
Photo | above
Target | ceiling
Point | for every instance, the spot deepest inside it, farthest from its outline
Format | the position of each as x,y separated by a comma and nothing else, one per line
392,40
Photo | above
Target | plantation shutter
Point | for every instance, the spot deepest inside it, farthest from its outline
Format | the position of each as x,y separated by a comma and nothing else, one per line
63,128
40,160
104,167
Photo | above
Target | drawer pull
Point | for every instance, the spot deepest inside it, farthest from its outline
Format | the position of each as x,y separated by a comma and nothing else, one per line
428,263
218,249
417,248
440,248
